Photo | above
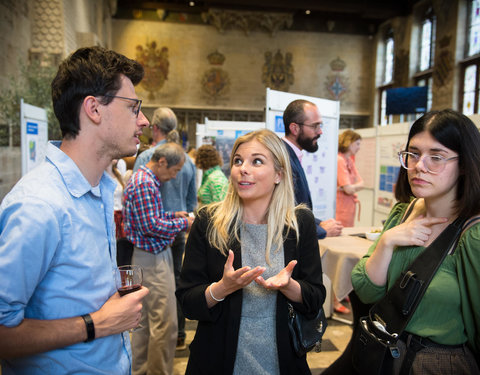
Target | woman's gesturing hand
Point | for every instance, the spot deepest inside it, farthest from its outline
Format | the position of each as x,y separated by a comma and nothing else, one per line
280,280
233,280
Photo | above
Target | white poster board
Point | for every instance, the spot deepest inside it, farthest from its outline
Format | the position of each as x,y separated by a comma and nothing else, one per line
34,135
320,167
390,140
222,134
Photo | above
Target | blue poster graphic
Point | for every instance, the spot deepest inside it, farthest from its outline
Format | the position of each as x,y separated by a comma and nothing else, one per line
279,126
32,128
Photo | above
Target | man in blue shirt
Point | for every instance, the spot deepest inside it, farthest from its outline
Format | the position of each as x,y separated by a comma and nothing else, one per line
303,127
59,309
179,194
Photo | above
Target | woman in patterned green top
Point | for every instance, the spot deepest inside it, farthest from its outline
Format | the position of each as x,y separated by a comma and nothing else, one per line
214,182
441,168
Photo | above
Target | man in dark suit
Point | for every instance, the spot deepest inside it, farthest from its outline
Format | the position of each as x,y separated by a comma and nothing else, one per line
303,126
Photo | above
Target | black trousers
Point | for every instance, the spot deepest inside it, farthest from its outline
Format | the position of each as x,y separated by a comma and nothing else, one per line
124,252
343,365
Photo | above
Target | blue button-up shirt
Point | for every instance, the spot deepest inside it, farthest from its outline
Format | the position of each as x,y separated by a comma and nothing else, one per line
57,256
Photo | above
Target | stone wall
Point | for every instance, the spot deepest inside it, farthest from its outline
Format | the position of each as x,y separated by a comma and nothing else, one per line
14,35
11,162
315,64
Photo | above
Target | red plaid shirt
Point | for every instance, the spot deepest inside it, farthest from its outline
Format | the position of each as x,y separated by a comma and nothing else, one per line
146,224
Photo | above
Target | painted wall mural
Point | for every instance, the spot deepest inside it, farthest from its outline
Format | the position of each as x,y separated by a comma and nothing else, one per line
277,72
156,65
337,83
292,61
215,81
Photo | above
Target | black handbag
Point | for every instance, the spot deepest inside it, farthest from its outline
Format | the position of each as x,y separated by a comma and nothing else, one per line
306,334
375,338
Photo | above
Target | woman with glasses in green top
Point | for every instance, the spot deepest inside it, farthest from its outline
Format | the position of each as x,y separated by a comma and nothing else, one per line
441,168
214,182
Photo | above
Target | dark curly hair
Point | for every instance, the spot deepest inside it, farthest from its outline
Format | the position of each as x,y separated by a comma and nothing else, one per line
207,157
88,71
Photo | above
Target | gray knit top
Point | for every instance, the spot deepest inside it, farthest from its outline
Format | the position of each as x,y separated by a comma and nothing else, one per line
257,344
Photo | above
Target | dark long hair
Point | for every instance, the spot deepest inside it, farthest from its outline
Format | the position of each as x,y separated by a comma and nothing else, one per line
458,133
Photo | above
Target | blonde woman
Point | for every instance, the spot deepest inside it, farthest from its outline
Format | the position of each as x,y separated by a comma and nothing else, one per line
238,289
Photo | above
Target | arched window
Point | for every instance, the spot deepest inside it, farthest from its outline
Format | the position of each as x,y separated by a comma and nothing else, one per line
387,76
473,28
427,40
470,66
427,34
388,70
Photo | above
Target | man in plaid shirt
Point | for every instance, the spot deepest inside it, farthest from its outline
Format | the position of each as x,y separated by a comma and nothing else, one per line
152,231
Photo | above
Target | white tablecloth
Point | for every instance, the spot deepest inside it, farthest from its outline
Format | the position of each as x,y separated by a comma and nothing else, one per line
339,255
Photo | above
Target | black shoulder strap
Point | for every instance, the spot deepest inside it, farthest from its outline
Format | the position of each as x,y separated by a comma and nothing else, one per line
397,307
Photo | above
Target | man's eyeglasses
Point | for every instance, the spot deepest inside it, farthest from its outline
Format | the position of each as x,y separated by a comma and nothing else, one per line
433,163
315,127
136,107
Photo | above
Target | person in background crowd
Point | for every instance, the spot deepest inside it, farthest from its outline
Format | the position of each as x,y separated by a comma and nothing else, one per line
192,152
439,168
303,126
214,182
59,309
173,137
238,289
124,247
348,179
152,230
179,193
163,122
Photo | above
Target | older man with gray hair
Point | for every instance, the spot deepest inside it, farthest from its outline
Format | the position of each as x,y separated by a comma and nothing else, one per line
179,194
152,230
163,122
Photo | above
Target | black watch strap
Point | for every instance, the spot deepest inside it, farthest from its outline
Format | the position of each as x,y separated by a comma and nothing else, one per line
90,327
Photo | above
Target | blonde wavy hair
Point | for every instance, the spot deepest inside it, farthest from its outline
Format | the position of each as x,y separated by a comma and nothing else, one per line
227,215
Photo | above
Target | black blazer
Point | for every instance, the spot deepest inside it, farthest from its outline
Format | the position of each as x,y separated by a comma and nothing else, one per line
300,187
300,183
214,347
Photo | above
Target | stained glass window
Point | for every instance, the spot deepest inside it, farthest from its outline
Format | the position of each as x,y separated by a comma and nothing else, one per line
469,85
427,40
386,77
388,73
470,98
426,45
426,52
474,28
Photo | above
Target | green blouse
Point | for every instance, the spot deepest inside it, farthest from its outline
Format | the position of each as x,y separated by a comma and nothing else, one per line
213,187
449,312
